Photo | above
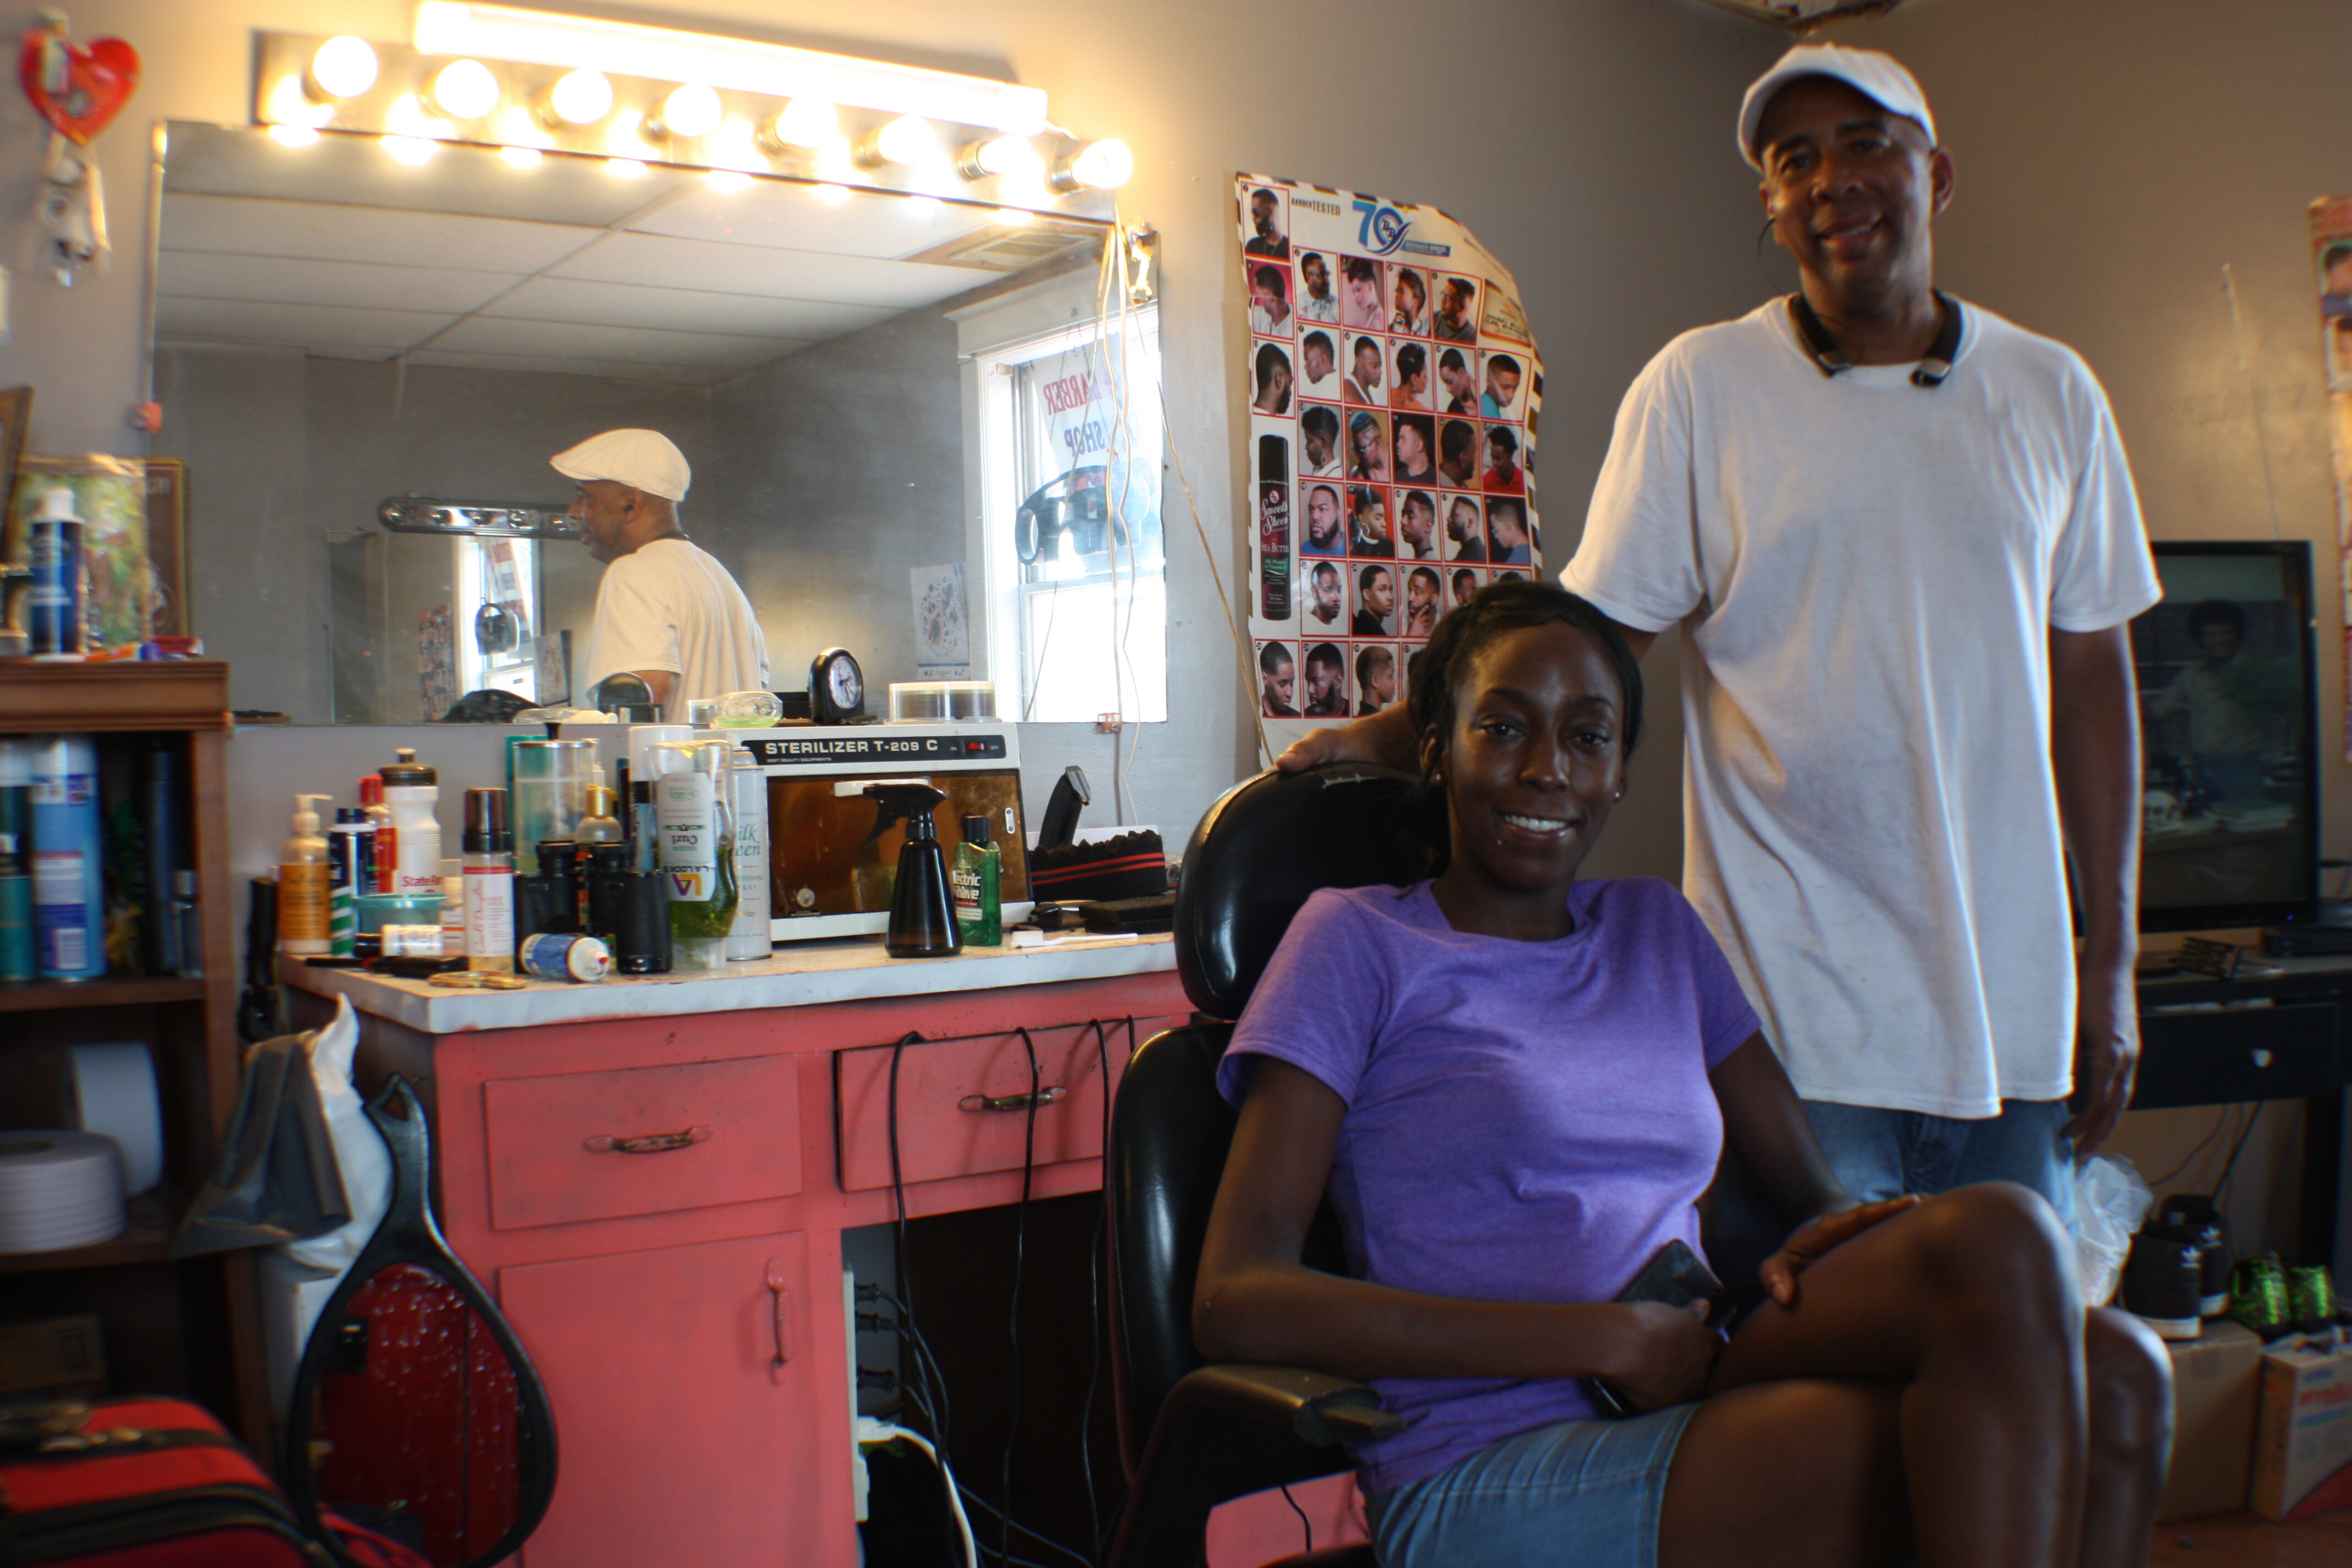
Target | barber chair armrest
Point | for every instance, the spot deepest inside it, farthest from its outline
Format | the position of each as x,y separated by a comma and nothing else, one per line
1316,1408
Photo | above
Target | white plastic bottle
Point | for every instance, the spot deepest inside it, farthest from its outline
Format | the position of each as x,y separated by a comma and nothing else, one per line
304,920
412,793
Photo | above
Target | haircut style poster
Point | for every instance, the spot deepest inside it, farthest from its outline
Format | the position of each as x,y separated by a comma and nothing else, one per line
1393,388
2331,256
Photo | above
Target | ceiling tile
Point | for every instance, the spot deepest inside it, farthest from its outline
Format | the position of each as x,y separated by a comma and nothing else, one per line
204,275
659,261
564,340
246,226
683,310
614,370
784,216
296,326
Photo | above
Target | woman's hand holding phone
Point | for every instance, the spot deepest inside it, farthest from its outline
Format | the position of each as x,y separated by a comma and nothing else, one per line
1671,1355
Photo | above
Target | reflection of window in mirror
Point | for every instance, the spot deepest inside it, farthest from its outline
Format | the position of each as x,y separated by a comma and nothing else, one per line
1085,621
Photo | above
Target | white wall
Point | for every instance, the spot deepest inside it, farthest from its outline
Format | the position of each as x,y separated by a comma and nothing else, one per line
1587,142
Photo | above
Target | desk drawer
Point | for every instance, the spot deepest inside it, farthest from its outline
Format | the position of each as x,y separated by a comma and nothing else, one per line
2240,1053
945,1128
599,1145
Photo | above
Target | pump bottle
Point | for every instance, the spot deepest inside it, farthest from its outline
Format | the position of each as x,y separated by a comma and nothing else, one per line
599,826
303,895
490,882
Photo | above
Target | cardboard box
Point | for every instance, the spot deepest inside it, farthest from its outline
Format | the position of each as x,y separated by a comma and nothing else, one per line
2303,1452
61,1358
2215,1377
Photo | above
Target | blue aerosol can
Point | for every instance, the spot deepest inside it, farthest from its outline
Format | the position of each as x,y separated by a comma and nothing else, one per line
69,859
56,601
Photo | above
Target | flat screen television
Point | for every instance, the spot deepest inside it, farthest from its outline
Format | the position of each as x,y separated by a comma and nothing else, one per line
2230,721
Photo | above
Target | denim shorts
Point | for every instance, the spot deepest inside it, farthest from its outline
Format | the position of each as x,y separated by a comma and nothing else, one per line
1582,1494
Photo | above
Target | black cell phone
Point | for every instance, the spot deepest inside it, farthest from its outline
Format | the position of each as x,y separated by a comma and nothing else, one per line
1674,1276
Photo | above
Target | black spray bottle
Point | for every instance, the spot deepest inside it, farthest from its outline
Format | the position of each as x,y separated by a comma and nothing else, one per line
922,911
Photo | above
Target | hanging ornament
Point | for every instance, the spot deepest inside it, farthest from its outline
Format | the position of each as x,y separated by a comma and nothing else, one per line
78,89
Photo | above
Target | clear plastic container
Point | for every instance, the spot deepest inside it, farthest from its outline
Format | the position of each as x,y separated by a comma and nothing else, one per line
550,794
747,711
932,702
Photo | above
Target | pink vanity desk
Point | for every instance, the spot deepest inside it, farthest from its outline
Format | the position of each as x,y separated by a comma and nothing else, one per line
682,1296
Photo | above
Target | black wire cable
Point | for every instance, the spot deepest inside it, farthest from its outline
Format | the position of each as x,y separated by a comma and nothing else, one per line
1095,1248
2231,1169
1013,1317
926,1365
1072,1552
937,1400
1304,1523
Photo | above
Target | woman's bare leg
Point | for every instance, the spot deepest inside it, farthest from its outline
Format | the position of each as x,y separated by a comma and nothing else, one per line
1967,1308
2130,1380
1790,1475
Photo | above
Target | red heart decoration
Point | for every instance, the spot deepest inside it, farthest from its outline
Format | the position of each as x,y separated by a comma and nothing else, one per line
100,80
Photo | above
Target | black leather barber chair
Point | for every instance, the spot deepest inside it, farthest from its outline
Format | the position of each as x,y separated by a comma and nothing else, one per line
1193,1434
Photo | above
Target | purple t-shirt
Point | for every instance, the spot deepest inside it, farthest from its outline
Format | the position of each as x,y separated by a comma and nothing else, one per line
1526,1121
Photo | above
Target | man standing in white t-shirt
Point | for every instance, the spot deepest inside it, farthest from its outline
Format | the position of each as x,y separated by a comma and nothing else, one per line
666,611
1901,540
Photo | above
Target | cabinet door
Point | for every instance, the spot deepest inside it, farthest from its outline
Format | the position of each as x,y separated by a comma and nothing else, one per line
702,1406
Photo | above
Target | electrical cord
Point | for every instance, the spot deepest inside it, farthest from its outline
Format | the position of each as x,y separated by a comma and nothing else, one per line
2220,1121
1013,1317
869,1430
1304,1523
1093,1300
938,1400
2231,1169
990,1509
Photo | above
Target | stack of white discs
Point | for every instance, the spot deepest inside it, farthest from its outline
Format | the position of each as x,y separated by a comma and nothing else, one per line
58,1190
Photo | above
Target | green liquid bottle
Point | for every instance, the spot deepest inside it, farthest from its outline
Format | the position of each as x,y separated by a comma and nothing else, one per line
977,875
698,850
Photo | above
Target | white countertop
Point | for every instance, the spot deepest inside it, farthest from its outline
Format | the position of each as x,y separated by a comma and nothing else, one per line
798,975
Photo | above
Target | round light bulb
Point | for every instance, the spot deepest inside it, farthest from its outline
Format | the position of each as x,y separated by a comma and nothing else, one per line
691,111
830,195
907,139
581,98
465,89
1013,217
292,135
1103,165
412,151
921,209
625,168
1009,155
343,67
806,123
727,182
519,157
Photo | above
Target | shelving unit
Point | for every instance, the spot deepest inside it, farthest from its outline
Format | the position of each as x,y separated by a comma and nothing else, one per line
189,1327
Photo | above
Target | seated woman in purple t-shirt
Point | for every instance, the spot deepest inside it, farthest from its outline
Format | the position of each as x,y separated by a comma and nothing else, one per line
1514,1086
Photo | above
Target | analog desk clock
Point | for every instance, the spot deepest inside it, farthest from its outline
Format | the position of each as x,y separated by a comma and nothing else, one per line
837,688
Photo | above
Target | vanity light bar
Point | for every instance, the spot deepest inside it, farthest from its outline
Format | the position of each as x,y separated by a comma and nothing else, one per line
624,48
414,514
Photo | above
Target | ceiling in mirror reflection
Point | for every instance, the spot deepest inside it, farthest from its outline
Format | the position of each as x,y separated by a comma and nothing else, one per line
466,260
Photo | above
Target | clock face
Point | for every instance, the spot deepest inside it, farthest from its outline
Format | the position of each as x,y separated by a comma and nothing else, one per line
845,684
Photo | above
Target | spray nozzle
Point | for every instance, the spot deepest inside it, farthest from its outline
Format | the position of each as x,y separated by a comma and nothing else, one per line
306,816
911,800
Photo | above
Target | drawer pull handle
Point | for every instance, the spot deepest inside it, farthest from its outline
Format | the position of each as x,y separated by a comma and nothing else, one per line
1045,1096
651,1143
782,1305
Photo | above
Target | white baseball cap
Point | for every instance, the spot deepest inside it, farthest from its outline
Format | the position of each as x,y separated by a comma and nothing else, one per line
1879,76
647,460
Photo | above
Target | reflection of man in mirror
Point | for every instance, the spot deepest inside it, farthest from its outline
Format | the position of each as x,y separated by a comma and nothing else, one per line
1458,453
1409,296
1326,681
1375,678
1364,386
1278,673
1463,527
1455,323
1412,388
666,611
1323,519
1265,217
1316,302
1375,601
1360,303
1417,525
1419,602
1318,440
1502,386
2239,708
1273,380
1507,521
2336,274
1325,581
1461,386
1269,302
1317,357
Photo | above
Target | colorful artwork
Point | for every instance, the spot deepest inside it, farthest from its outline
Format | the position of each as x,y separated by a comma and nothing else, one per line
110,496
1393,388
2331,259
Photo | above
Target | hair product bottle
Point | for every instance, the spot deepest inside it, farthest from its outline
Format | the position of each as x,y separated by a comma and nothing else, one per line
698,850
305,885
69,858
490,882
749,937
977,876
412,792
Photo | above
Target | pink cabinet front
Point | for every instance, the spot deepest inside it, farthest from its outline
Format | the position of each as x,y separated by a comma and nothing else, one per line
701,1404
962,1105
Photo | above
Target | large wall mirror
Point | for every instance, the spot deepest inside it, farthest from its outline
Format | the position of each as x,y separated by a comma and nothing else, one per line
335,325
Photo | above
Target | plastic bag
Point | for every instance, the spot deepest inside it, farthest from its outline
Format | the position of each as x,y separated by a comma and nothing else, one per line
274,1178
2110,1200
360,1154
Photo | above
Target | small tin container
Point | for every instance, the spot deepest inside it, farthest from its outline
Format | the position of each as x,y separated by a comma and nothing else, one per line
558,955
